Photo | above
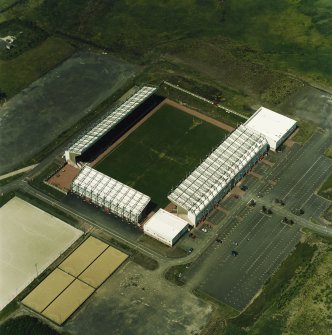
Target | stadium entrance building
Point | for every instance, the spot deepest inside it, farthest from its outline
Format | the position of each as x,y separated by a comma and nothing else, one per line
274,126
165,227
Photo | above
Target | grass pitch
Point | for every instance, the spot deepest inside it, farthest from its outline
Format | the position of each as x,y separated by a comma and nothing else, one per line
159,154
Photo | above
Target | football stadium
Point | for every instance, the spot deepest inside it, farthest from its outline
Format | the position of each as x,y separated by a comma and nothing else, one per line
149,153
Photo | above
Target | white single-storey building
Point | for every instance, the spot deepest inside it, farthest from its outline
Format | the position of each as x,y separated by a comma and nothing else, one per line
165,227
273,126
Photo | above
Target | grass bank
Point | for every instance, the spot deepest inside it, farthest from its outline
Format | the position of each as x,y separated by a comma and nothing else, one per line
326,189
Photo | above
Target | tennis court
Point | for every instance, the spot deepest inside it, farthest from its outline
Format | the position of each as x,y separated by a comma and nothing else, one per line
67,303
62,292
48,290
83,256
103,267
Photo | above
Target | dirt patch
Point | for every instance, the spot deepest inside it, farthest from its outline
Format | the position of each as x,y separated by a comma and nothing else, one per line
55,102
135,301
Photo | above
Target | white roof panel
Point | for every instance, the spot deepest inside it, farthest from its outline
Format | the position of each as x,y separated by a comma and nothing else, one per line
270,124
108,192
165,224
198,190
110,120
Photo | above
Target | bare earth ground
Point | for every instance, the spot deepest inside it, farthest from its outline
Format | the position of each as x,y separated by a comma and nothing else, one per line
135,301
311,104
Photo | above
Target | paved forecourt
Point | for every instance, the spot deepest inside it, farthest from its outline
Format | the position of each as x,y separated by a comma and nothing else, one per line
30,240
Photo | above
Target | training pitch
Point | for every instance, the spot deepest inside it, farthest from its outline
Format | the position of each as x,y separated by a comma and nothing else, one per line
159,154
60,294
30,240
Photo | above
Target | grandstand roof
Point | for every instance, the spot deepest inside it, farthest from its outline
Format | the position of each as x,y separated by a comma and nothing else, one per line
270,124
105,191
197,191
110,120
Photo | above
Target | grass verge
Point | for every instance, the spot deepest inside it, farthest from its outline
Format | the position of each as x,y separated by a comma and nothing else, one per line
301,257
306,130
11,179
174,274
326,189
163,249
145,261
17,73
328,152
26,325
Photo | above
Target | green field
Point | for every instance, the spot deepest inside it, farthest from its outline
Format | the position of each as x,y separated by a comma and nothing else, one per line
328,152
17,73
243,50
26,36
159,154
286,34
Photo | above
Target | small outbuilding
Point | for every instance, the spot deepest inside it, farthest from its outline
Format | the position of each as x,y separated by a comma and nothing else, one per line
165,227
273,126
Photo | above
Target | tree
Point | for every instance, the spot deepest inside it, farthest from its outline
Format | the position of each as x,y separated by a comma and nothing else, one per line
3,96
